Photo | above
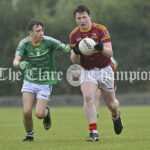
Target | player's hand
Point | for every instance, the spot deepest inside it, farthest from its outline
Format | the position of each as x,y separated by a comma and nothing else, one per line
22,65
76,49
67,49
99,46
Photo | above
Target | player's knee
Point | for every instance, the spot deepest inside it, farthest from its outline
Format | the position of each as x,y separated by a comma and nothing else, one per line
27,114
39,114
88,98
113,105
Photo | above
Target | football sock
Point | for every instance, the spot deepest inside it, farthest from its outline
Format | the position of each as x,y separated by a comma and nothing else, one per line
30,133
93,126
114,117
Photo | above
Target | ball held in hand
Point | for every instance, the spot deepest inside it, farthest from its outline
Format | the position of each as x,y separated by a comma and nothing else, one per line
87,46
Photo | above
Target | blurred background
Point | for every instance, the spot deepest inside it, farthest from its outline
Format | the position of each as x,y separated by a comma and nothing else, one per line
128,23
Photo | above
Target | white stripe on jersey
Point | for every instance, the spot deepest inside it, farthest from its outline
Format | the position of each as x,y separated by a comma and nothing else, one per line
54,40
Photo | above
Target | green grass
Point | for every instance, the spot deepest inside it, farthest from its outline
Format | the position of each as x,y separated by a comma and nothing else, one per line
69,130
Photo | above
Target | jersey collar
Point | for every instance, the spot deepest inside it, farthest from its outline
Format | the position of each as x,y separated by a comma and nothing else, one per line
37,44
87,30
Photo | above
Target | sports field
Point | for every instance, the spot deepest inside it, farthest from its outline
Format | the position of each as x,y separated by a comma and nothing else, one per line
69,130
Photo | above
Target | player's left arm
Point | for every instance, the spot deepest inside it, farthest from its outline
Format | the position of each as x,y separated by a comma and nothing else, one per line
104,44
104,48
113,60
67,49
58,45
107,49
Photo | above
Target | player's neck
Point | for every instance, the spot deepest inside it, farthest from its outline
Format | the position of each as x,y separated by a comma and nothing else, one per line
88,28
35,42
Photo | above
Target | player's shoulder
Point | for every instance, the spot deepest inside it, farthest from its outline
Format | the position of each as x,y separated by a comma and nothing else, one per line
48,38
51,40
74,31
99,26
24,41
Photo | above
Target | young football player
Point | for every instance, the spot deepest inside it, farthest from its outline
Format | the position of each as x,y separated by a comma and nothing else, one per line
39,74
98,70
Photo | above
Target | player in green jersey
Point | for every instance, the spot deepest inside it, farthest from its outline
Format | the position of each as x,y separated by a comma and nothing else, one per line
39,74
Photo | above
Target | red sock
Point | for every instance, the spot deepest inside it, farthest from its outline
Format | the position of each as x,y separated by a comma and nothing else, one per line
114,115
93,126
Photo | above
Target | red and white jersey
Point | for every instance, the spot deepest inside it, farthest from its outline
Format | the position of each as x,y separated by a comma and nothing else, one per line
96,32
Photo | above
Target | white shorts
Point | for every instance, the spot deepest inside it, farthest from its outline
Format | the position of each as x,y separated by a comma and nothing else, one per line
41,91
103,77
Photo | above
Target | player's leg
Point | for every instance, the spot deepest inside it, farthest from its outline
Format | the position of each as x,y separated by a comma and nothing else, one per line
111,102
89,90
42,110
97,100
108,92
28,99
113,105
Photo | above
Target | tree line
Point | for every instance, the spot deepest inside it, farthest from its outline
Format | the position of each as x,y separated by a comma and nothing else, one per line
127,22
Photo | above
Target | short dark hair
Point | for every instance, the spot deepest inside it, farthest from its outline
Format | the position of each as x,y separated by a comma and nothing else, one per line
81,9
33,23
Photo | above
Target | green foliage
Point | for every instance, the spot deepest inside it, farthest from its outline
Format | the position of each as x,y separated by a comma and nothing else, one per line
127,22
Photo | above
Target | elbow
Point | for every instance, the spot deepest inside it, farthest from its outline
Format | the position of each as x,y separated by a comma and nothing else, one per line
73,60
108,54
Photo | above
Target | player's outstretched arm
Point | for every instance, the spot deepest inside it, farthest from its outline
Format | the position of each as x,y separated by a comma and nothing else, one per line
67,49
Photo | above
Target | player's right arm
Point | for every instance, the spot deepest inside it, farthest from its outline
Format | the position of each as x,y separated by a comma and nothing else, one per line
75,53
16,61
74,58
19,53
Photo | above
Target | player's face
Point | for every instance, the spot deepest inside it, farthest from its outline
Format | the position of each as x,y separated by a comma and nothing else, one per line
37,33
83,20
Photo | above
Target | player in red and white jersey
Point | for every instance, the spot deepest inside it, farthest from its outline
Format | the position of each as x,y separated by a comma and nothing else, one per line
98,70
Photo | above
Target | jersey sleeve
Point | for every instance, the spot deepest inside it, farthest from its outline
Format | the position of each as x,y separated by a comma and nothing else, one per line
20,51
105,36
58,45
53,43
72,41
73,37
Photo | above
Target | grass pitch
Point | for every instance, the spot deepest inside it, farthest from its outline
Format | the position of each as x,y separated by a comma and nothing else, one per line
69,130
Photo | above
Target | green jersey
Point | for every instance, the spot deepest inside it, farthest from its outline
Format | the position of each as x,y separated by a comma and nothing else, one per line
40,68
